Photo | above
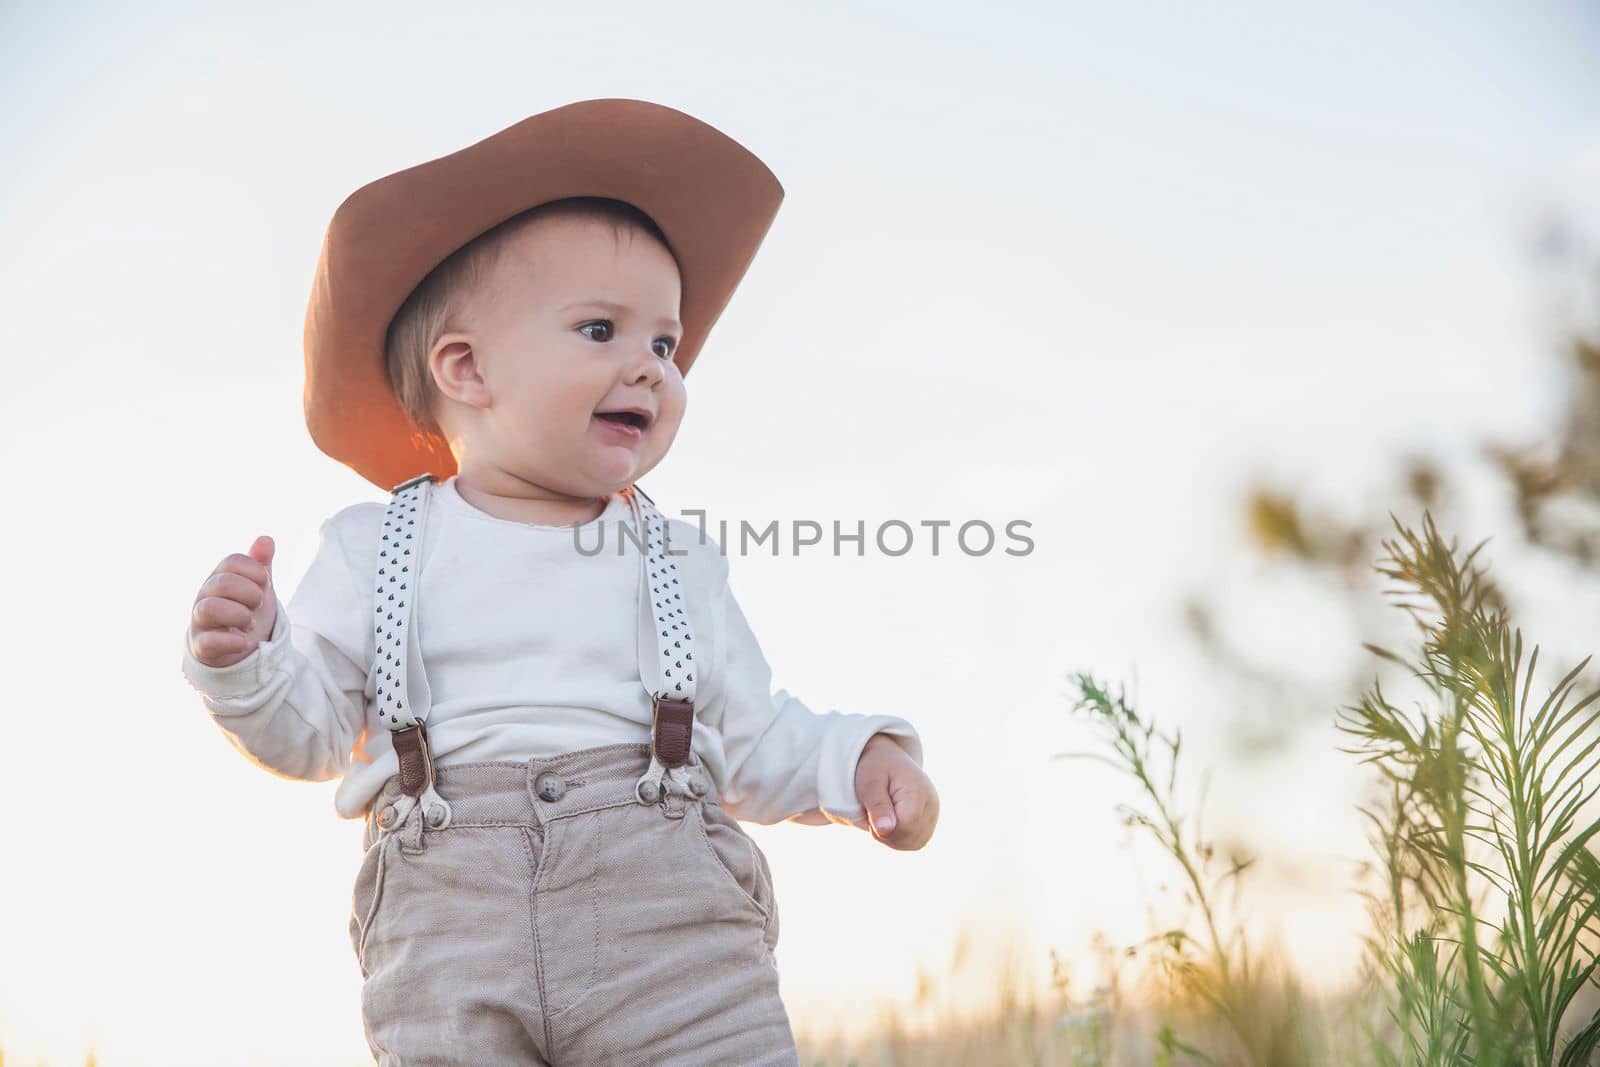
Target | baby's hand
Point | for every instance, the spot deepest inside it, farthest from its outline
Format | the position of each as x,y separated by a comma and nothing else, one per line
235,608
901,803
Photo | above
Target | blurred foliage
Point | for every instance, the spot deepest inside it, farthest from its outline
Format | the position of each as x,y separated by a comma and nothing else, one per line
1553,483
1217,981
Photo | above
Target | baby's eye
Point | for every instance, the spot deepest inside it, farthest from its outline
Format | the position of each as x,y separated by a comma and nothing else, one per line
670,342
598,322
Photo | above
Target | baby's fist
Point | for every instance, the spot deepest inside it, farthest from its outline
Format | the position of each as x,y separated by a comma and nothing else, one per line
235,608
902,805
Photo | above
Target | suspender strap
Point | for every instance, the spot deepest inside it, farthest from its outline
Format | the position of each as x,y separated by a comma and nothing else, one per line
399,564
671,684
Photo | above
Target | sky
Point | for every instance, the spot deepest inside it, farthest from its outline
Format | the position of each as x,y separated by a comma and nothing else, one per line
1087,266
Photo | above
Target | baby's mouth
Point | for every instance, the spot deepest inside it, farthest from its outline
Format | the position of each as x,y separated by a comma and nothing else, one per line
635,419
628,426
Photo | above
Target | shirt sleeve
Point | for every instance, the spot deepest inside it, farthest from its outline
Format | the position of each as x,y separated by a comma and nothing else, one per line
296,705
785,761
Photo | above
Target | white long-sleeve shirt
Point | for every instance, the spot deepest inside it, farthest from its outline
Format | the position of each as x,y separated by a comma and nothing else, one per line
524,646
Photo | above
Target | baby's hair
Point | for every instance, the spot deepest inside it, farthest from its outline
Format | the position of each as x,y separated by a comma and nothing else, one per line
433,307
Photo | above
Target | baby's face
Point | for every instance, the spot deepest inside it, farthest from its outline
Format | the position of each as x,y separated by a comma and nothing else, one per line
575,321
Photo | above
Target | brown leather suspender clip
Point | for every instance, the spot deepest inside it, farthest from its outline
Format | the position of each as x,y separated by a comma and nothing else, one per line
416,760
672,730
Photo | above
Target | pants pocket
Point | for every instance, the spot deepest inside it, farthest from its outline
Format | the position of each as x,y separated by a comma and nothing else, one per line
742,862
447,953
367,895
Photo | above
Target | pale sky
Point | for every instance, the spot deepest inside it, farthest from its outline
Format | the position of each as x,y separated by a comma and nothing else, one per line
1087,266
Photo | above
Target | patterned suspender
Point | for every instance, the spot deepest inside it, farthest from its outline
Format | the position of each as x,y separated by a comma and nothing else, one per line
671,683
399,563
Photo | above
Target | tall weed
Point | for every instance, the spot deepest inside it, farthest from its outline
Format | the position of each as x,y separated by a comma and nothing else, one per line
1484,925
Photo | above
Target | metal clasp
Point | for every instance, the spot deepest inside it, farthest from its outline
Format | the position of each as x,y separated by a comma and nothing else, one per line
415,755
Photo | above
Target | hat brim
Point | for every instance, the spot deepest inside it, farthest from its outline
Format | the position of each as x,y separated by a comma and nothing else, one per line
712,198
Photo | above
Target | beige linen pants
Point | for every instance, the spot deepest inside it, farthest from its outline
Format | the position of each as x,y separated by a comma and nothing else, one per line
558,921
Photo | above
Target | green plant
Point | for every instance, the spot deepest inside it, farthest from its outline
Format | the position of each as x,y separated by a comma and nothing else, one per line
1484,928
1216,979
1493,891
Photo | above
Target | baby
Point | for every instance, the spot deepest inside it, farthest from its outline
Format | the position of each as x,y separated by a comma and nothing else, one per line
540,694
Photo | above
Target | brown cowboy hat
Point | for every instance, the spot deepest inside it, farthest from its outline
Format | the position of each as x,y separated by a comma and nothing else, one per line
710,196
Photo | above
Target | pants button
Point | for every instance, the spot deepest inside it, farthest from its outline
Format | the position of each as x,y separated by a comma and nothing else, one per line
550,787
697,785
386,816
